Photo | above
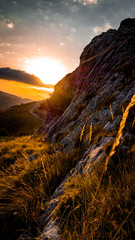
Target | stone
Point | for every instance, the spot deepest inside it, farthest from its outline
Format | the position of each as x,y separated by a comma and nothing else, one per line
108,126
33,157
50,232
102,84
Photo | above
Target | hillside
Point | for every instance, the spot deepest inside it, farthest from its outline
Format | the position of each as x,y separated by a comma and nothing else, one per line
75,179
7,100
18,121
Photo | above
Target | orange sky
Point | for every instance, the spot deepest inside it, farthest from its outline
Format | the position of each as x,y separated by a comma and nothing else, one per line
24,90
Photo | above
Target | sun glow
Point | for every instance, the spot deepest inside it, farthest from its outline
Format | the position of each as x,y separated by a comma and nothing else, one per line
50,71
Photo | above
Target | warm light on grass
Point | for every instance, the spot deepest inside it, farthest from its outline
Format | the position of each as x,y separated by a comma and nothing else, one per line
93,206
26,185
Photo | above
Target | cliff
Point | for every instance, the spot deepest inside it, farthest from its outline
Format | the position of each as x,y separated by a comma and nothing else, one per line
86,110
98,88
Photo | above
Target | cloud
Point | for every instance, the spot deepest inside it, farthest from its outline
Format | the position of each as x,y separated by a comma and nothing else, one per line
20,76
74,9
10,25
69,38
9,53
5,44
98,29
6,20
91,1
73,29
85,2
43,89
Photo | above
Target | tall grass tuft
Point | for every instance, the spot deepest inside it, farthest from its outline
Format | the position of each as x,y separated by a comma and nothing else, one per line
82,132
90,134
119,134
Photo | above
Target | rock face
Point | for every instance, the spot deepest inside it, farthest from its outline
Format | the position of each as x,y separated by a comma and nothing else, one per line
98,92
99,87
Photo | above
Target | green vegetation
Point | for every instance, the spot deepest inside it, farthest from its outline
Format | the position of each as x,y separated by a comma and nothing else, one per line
18,121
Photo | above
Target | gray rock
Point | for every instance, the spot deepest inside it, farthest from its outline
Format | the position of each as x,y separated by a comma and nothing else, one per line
50,232
33,157
108,126
68,144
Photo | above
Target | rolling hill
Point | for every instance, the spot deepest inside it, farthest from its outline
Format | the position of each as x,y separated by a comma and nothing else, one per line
18,121
7,100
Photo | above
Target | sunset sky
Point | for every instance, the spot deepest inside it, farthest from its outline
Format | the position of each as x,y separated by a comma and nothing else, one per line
38,34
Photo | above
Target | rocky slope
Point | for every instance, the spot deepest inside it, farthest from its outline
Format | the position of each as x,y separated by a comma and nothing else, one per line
87,106
104,77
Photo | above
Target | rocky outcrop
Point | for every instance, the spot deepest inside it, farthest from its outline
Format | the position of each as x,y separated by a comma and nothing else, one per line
104,79
98,92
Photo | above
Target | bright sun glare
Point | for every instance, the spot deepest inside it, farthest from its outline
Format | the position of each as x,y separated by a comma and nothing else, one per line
50,71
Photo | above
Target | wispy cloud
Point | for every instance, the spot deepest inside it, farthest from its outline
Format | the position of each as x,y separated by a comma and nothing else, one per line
5,44
44,89
10,25
98,29
86,2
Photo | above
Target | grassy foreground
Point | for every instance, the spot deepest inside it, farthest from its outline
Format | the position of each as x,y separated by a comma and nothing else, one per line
26,185
96,206
87,211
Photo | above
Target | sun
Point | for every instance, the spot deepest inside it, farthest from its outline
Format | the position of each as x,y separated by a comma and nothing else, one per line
49,70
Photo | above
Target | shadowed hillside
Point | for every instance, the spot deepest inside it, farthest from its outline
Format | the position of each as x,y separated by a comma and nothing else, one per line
7,100
17,120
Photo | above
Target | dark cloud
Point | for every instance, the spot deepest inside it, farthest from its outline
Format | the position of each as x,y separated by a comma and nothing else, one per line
20,76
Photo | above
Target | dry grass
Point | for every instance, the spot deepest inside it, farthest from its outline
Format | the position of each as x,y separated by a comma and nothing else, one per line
109,214
26,186
122,125
98,207
12,149
101,205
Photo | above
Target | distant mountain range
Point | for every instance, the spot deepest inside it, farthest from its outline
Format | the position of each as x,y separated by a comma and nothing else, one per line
7,100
